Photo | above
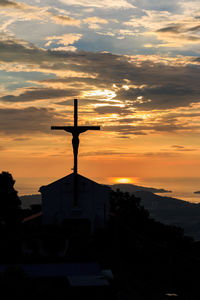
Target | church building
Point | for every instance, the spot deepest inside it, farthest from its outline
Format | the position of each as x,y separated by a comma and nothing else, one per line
75,197
58,202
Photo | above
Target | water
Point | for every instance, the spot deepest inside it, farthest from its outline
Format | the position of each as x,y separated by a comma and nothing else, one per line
182,188
31,185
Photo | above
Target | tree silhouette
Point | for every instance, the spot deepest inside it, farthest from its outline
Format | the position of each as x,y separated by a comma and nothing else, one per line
9,201
148,258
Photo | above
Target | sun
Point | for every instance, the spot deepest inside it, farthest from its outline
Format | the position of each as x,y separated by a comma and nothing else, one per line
123,180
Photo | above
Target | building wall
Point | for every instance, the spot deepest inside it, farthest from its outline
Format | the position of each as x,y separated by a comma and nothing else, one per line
93,202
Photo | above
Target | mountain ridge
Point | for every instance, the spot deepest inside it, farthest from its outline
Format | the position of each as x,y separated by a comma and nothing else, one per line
167,210
133,188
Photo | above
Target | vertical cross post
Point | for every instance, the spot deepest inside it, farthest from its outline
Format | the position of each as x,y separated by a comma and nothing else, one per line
75,139
75,143
75,131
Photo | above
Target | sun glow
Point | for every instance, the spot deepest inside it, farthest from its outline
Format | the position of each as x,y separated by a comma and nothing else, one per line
123,180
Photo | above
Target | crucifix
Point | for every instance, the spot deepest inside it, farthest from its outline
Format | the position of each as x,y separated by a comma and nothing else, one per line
75,131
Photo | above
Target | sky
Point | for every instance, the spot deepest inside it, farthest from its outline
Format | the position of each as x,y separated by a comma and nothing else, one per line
134,66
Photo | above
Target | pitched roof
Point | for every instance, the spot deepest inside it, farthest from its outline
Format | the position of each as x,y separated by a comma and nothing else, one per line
69,179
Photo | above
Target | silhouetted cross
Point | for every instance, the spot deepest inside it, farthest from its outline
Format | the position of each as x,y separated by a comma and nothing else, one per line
75,131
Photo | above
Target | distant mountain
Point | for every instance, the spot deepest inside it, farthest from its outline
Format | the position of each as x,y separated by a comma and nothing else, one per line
173,211
131,188
28,200
168,210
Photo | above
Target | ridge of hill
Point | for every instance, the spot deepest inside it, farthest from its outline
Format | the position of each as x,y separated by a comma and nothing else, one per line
172,211
130,188
167,210
164,209
28,200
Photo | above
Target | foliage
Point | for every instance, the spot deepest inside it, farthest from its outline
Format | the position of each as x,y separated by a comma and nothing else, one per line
9,200
132,215
128,209
148,258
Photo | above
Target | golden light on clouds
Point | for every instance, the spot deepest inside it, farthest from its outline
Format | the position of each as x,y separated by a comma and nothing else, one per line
104,94
135,74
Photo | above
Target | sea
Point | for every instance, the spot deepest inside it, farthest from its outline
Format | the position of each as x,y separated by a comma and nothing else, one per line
181,187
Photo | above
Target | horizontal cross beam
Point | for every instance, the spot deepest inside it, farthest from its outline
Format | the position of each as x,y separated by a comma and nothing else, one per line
78,129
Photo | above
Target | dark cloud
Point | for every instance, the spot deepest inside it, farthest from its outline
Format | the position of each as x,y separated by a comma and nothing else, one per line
83,102
22,139
171,28
8,3
124,136
139,133
184,115
181,31
161,96
130,120
196,60
149,128
160,154
166,86
177,147
42,14
15,50
127,129
79,81
181,148
33,94
132,154
111,110
28,120
195,28
178,28
101,153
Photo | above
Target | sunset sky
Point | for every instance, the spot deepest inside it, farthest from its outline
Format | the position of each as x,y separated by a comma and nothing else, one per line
134,66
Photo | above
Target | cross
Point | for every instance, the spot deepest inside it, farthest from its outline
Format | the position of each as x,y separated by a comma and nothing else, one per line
75,131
